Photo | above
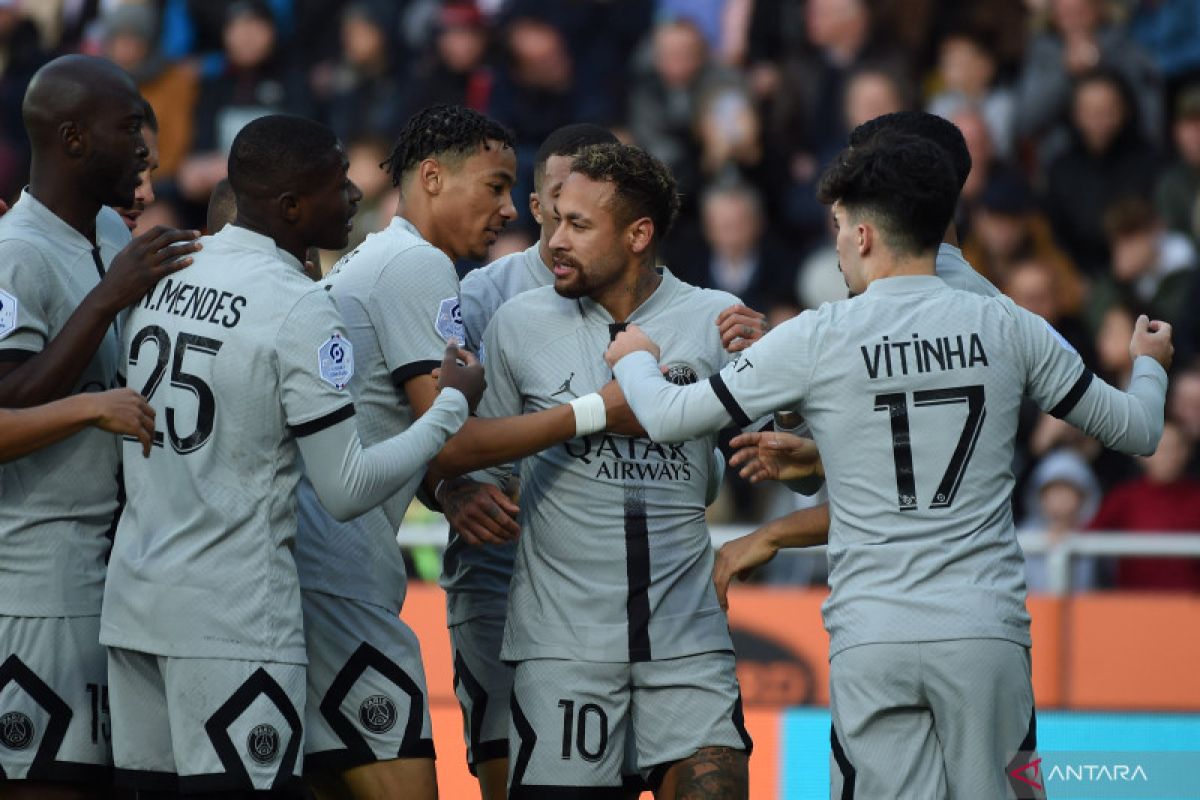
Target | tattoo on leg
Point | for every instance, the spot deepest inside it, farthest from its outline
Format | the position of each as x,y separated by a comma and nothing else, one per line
713,773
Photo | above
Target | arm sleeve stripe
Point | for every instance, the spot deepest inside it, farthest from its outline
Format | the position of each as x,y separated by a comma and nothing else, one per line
1067,404
15,356
731,405
402,375
321,423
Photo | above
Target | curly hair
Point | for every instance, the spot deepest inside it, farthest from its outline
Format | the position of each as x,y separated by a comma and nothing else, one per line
643,185
924,125
443,131
902,183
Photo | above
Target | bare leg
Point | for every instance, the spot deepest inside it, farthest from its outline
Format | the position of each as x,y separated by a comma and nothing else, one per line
713,773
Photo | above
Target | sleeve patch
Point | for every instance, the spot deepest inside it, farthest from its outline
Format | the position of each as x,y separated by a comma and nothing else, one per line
1058,337
8,313
449,321
335,361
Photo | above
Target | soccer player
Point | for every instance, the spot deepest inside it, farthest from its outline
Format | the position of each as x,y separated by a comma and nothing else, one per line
143,196
476,578
912,392
612,621
202,610
67,271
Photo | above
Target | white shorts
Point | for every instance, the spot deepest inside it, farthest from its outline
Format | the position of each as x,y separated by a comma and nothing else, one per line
203,724
571,721
483,684
54,722
367,699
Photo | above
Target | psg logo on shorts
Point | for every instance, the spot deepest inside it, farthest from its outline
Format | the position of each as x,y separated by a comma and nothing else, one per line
377,713
681,374
16,730
263,744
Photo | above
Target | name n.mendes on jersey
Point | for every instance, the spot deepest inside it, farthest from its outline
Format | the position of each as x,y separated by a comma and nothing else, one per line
625,458
891,355
196,302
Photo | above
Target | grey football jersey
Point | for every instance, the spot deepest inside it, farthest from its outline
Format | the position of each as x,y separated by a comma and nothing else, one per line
257,355
398,295
614,561
957,272
476,578
58,504
912,392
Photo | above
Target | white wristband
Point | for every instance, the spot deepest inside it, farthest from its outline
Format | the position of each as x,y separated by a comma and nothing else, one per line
589,414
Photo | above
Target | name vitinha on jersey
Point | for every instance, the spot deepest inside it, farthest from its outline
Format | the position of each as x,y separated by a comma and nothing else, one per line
622,458
893,356
196,302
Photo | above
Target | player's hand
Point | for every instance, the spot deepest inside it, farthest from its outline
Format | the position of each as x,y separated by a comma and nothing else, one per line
775,456
628,341
481,513
143,262
740,327
1152,338
618,415
738,559
461,370
126,412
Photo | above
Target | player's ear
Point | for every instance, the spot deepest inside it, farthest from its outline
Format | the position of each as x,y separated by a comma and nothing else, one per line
866,238
74,138
535,207
290,207
429,176
640,234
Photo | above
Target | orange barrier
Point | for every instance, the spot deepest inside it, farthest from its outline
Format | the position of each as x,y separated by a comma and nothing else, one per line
1090,651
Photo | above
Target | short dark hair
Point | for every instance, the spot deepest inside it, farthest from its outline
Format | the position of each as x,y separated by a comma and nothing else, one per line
440,131
278,153
568,141
903,183
940,131
1129,215
642,184
149,118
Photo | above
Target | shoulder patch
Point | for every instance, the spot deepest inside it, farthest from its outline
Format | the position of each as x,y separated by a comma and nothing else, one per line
449,321
335,361
1062,340
8,313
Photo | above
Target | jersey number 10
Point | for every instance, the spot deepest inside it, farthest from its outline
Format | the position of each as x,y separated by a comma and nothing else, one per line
206,403
897,407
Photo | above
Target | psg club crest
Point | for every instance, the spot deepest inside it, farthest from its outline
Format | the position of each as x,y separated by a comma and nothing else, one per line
377,713
335,361
263,744
681,374
16,730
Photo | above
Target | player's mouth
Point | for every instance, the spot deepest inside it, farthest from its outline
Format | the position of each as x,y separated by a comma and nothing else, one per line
350,217
563,268
492,235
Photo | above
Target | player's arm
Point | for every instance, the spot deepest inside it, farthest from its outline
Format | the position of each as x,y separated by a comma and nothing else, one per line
777,456
807,527
123,411
1131,421
35,371
350,479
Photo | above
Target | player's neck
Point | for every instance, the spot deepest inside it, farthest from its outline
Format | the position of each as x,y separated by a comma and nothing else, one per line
420,215
893,266
283,236
624,297
65,200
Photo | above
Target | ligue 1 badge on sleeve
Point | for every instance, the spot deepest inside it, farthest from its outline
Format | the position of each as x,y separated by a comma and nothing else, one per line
8,313
449,322
335,361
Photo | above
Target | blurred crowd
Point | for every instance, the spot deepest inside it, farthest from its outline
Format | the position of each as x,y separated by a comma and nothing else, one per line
1082,118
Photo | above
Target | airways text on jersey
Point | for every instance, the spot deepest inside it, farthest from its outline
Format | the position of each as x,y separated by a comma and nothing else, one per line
624,458
196,302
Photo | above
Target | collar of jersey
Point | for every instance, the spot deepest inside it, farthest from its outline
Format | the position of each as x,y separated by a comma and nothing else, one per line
945,247
660,297
403,224
905,284
249,240
538,270
52,223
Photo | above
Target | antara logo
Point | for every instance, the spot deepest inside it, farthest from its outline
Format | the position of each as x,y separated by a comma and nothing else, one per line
1034,776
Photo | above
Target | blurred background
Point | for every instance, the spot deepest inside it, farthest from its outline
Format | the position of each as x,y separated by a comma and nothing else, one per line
1083,121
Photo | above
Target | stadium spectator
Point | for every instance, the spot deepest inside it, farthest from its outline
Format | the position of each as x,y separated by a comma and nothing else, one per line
729,131
1178,189
1036,284
129,40
366,84
1062,495
1162,500
20,55
1183,405
454,68
1079,39
1109,158
872,92
1151,266
967,68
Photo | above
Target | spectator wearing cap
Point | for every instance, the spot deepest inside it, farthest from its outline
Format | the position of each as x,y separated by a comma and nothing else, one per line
258,78
1152,267
1177,195
1007,228
129,39
1108,159
1061,496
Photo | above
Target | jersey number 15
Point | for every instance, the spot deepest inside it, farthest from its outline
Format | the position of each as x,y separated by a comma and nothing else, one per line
896,405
